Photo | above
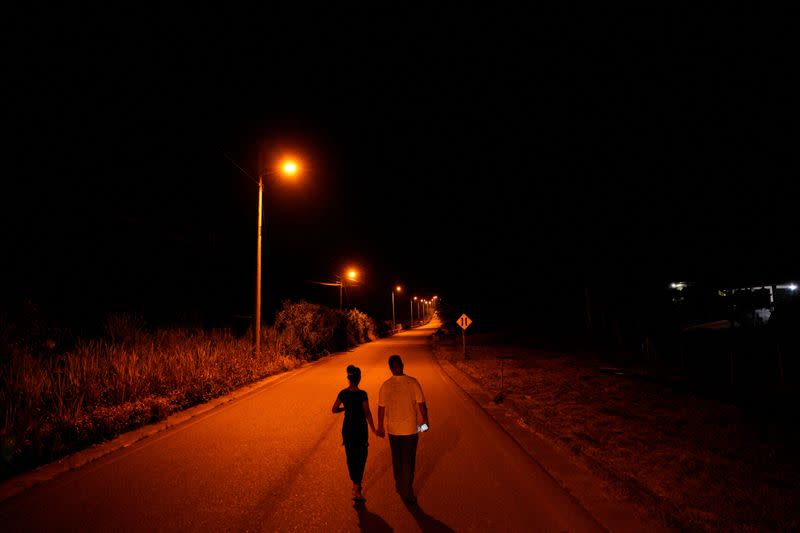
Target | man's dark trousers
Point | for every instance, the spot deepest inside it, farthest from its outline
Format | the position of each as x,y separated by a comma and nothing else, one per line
404,456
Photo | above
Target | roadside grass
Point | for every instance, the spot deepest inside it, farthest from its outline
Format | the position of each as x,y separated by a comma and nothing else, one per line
692,462
57,402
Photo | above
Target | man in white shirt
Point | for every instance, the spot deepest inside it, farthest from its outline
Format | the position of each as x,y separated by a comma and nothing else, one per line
402,403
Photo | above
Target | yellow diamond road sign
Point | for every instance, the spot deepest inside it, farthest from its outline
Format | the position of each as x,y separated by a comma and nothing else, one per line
464,321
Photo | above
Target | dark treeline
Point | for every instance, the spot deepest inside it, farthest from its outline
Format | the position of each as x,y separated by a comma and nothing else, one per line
700,331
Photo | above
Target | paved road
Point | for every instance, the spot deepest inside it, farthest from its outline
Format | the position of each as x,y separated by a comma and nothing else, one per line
273,461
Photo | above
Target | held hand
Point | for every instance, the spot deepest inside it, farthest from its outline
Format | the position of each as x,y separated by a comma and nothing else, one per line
380,432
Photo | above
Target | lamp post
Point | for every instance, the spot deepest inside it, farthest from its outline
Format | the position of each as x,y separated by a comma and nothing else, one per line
288,168
396,289
352,274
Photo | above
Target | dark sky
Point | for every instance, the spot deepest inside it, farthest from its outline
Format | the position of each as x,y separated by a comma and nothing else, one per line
501,159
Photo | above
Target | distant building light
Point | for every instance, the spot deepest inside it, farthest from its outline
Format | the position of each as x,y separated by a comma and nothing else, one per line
678,285
792,287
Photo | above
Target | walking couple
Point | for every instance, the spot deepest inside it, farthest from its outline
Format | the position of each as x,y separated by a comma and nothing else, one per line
401,404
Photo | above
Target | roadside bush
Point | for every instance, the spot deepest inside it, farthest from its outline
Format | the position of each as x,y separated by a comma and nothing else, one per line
310,330
123,327
383,328
360,328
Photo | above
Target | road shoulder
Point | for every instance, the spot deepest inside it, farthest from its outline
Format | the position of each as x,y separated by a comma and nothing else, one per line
587,488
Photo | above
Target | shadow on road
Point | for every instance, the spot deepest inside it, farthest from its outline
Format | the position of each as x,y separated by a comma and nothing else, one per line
441,442
427,523
370,521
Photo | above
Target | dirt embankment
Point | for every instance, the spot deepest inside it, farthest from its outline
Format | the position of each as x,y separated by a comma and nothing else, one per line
691,461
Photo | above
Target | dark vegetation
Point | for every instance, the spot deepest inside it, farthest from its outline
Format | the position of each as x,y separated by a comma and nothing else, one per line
60,392
700,337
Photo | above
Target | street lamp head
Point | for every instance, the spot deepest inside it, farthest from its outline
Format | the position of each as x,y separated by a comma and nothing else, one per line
352,274
399,288
290,168
415,297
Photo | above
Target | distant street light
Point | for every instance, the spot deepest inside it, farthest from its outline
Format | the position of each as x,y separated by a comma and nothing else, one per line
288,168
396,289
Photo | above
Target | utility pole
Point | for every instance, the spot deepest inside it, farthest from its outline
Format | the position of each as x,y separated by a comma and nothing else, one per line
257,322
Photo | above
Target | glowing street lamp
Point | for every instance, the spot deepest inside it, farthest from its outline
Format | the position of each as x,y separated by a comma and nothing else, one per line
411,301
396,289
288,169
352,275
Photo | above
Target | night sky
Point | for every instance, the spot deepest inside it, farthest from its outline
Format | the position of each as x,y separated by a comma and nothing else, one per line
502,160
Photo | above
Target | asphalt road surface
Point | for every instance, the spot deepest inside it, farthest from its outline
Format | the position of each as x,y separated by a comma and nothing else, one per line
273,461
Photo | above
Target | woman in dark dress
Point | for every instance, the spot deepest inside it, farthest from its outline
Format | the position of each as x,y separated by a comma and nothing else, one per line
353,401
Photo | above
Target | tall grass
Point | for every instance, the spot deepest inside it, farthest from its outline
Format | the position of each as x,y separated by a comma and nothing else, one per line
53,403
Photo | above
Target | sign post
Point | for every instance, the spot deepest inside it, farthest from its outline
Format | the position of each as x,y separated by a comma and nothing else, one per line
501,395
464,321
